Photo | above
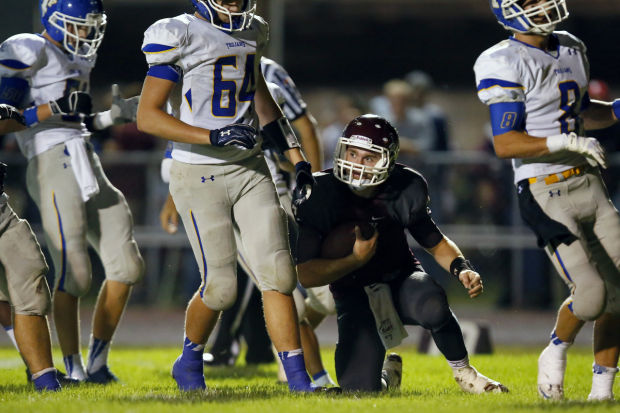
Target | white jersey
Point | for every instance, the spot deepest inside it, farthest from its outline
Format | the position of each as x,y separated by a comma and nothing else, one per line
293,105
551,84
51,74
218,78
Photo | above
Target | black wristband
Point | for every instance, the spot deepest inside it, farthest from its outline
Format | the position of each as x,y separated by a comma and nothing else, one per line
459,264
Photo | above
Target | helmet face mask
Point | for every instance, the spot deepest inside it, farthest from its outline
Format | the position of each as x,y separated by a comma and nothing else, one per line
66,21
534,17
236,21
369,133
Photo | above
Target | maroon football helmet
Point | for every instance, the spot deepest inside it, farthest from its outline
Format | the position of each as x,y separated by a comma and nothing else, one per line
371,133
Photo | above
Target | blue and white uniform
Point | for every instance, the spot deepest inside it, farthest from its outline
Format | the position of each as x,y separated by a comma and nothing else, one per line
220,190
33,72
542,93
216,78
544,90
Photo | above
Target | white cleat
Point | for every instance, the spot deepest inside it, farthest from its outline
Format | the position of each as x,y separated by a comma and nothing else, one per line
551,375
473,382
600,397
392,372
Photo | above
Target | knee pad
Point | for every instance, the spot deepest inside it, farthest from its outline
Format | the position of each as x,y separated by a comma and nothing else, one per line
279,273
38,302
589,300
74,273
128,267
219,291
433,311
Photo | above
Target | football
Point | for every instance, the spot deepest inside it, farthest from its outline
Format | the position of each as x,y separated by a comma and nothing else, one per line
339,242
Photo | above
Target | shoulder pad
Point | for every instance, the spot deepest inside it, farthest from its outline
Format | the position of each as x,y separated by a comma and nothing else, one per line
20,53
497,76
164,39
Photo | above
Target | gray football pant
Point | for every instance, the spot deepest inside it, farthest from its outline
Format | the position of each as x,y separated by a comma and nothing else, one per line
23,267
590,265
70,224
212,201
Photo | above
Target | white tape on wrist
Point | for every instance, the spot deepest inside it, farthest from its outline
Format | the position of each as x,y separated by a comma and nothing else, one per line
103,120
557,143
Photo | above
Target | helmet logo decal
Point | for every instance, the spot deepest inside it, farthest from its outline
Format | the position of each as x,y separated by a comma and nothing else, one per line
46,4
361,139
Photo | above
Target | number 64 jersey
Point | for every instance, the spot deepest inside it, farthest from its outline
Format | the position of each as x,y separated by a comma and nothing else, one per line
551,84
216,74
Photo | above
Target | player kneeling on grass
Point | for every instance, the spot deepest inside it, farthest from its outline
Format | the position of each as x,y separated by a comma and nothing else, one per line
352,236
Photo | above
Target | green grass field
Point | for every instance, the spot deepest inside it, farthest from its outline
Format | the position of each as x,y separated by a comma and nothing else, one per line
427,387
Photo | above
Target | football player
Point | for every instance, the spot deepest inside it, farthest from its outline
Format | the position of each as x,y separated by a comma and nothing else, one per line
535,84
379,285
318,302
23,283
206,65
47,76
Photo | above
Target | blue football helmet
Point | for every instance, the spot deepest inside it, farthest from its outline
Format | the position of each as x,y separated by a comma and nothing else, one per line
539,18
64,19
237,21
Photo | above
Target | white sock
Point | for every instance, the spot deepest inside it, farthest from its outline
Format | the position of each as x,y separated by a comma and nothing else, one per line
75,366
42,372
557,348
603,381
459,364
322,379
11,334
97,354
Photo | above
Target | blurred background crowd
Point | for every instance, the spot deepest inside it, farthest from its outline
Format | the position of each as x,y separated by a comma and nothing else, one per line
407,60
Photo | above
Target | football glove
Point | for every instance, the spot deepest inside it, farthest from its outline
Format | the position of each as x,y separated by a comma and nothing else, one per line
304,182
588,147
239,135
77,103
123,110
9,112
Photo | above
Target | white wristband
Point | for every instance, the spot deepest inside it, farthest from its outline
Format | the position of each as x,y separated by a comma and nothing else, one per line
103,120
557,143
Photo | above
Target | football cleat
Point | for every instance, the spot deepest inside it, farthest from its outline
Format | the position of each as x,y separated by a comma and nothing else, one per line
102,376
598,397
189,376
327,390
62,378
551,375
473,382
392,372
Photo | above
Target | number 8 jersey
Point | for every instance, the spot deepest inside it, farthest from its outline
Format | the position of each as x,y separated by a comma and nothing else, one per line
551,84
216,74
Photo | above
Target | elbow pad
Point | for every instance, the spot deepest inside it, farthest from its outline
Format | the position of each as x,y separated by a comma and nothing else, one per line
281,135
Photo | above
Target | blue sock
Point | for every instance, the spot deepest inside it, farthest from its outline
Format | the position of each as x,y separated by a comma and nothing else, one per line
192,352
295,368
47,381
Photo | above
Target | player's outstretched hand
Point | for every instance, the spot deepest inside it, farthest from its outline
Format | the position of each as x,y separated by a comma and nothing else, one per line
9,112
238,134
472,282
169,217
364,249
589,147
123,110
77,103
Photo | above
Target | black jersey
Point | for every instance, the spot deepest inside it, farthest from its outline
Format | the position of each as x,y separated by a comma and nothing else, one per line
400,203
